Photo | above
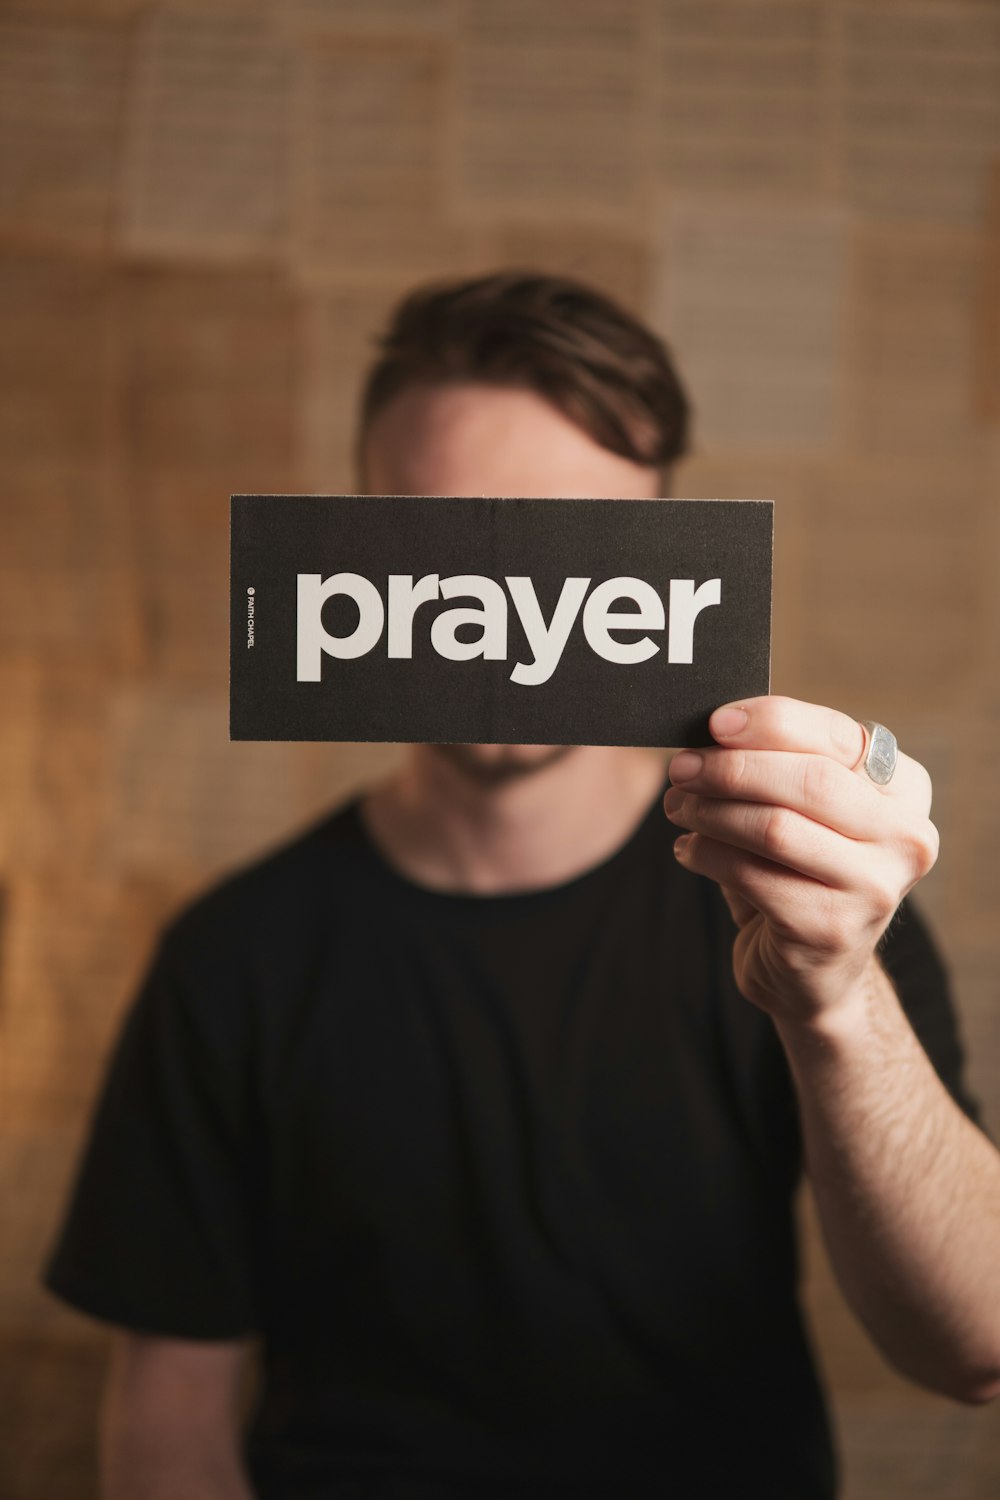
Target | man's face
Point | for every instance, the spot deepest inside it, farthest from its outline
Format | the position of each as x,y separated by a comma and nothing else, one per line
491,440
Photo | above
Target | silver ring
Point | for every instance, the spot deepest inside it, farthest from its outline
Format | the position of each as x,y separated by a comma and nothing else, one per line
881,752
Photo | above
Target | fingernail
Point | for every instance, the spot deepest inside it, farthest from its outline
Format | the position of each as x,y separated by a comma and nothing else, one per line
673,800
728,721
681,846
685,764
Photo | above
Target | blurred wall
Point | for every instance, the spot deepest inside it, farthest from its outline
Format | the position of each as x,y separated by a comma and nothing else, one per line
206,210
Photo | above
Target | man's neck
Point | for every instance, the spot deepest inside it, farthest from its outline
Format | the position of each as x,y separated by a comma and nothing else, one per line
446,825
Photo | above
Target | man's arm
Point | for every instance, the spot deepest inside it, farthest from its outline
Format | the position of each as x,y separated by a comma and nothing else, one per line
170,1421
908,1193
813,859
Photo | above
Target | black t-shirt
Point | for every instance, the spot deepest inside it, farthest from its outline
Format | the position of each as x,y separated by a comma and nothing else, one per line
504,1183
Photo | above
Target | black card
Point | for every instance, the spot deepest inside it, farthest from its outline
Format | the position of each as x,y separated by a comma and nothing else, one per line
497,621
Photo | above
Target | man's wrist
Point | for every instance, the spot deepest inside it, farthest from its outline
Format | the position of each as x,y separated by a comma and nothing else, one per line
844,1024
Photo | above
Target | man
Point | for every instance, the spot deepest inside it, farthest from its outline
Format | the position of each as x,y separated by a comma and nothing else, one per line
483,1102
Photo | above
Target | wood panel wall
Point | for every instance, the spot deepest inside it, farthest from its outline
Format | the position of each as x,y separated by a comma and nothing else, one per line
205,212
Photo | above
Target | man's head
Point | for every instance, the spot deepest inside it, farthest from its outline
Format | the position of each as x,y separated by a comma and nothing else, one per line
518,384
568,344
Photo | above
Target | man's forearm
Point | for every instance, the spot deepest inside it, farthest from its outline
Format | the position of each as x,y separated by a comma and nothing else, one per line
157,1468
170,1420
908,1192
168,1475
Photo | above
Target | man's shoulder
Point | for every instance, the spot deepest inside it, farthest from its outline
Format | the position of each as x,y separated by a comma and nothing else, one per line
275,894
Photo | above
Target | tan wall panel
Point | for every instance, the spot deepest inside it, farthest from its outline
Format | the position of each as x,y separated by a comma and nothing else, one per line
207,369
206,213
920,107
913,328
73,956
35,1171
49,1388
62,85
184,801
57,361
744,98
371,199
332,20
339,333
549,109
619,266
750,297
67,566
205,172
988,320
901,584
58,809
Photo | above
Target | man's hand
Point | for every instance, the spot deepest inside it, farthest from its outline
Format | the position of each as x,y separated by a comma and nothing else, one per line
812,857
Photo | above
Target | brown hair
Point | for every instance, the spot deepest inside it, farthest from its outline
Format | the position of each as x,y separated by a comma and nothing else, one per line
568,342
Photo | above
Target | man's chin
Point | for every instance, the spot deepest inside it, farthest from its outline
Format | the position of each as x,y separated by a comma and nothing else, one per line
494,764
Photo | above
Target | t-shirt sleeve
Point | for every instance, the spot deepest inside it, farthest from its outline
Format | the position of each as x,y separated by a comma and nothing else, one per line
158,1232
915,966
